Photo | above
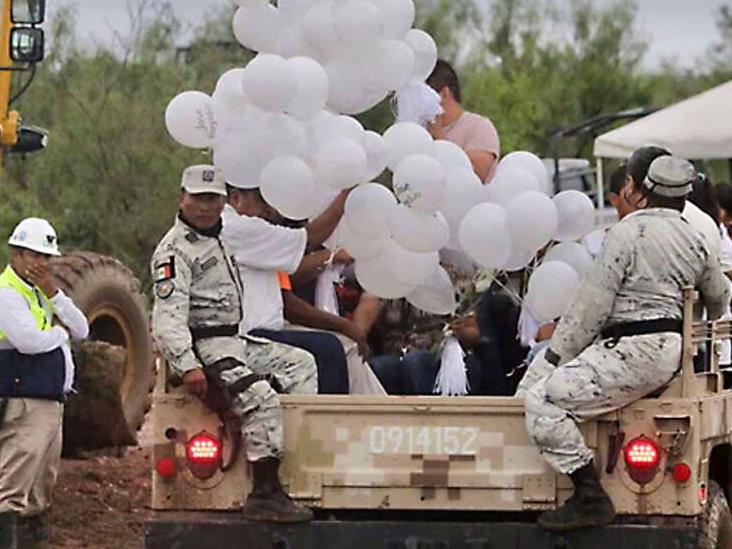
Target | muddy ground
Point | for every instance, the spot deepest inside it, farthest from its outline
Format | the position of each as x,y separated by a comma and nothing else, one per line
100,502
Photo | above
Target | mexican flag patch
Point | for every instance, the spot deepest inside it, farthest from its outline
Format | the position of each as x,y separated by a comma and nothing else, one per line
164,271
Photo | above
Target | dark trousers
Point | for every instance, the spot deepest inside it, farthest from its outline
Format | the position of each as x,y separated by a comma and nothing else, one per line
415,374
327,350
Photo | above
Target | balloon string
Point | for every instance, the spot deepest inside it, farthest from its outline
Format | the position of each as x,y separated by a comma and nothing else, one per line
509,291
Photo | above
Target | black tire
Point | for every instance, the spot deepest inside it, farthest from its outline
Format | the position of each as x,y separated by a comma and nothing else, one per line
109,294
715,523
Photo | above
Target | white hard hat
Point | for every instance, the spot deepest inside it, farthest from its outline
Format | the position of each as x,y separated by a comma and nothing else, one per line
37,235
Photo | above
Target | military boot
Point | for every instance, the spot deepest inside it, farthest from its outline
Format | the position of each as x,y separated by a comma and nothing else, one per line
36,531
9,531
267,500
588,506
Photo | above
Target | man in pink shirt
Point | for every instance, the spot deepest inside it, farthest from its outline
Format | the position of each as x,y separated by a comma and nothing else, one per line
474,133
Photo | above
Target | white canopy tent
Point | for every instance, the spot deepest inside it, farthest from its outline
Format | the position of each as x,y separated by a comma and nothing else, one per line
698,128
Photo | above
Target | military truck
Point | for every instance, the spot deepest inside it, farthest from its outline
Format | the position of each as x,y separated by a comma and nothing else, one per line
435,472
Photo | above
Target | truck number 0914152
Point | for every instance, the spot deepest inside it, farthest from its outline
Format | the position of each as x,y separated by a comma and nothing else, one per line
452,441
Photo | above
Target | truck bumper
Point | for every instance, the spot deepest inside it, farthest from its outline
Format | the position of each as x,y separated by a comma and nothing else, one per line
194,530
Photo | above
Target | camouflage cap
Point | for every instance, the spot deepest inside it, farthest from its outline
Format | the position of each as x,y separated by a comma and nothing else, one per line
203,179
671,177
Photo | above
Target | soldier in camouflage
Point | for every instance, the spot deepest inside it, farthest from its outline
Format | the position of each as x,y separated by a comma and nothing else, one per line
620,339
195,323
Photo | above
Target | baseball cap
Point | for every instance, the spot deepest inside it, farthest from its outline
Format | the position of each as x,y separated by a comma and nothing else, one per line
670,176
203,179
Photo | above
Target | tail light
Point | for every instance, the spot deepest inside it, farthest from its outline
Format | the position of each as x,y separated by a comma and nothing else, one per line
642,457
681,473
166,467
203,452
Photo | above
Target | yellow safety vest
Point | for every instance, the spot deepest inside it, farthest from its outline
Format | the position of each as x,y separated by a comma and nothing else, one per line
40,306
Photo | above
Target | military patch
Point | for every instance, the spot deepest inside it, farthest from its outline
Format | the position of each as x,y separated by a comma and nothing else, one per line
164,271
164,289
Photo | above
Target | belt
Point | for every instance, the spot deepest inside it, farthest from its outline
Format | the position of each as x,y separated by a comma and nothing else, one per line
643,327
214,331
616,332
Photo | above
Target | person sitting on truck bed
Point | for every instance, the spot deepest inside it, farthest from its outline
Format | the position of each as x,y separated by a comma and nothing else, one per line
620,338
195,322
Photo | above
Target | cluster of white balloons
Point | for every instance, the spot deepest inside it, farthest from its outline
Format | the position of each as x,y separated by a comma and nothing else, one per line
282,124
395,236
367,47
519,219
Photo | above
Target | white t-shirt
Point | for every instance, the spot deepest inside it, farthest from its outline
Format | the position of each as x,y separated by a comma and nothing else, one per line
261,251
703,223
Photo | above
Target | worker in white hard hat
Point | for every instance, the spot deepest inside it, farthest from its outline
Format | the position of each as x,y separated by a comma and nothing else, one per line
36,373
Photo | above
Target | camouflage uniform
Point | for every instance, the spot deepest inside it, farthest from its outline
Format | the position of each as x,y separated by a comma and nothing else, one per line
647,260
197,286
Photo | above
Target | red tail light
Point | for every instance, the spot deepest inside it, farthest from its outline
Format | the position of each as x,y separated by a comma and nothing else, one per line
166,467
204,455
642,457
681,473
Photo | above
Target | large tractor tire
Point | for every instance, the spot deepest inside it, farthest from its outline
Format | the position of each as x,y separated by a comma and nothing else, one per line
115,367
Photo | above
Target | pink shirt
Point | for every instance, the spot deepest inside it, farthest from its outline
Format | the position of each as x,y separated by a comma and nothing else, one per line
472,132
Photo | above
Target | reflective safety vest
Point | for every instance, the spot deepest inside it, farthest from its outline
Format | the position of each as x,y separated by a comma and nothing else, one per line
39,376
40,306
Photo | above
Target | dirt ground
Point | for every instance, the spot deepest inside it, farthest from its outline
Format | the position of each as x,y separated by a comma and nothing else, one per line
100,502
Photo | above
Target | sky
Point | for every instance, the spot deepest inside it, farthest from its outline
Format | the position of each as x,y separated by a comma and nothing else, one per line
678,30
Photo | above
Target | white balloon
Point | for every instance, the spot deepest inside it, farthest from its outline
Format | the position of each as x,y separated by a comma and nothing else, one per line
436,295
419,232
341,164
374,275
531,162
269,82
420,183
398,17
484,236
190,119
573,254
360,246
244,151
451,156
405,139
327,127
518,260
393,63
551,288
532,220
410,268
368,210
425,53
576,215
312,87
376,154
464,191
319,29
288,185
228,96
510,183
257,26
358,22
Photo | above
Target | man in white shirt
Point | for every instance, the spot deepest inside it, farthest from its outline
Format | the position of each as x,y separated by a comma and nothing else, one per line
36,373
262,249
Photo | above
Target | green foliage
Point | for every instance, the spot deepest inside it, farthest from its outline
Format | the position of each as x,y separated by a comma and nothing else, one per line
109,178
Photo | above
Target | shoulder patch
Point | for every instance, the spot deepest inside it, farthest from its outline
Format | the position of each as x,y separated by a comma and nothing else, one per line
164,270
164,289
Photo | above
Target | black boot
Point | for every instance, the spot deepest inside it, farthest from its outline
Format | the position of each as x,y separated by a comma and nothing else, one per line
588,506
36,531
9,531
267,500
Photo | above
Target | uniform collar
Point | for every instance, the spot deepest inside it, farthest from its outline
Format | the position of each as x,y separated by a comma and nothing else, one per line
215,232
655,212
